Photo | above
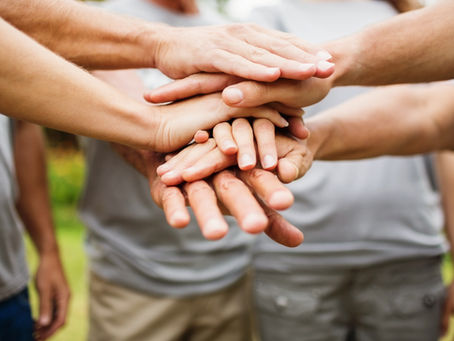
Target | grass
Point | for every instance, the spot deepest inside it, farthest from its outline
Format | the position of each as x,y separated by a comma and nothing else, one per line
66,175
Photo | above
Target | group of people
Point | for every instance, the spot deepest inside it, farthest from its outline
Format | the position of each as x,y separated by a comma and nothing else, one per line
369,268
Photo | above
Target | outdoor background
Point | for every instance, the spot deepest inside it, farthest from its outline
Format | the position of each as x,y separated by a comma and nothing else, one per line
66,173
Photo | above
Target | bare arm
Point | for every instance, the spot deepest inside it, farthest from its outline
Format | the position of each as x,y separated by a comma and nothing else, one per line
396,120
34,209
97,39
409,48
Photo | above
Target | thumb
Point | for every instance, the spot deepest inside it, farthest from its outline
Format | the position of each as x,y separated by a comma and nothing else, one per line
45,306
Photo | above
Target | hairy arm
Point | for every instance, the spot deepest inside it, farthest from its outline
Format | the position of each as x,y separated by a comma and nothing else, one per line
38,86
409,48
396,120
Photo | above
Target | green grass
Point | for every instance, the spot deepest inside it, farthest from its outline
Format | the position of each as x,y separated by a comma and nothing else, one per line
66,176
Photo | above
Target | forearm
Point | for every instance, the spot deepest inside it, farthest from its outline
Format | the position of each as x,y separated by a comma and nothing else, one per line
33,204
397,120
85,35
412,47
38,86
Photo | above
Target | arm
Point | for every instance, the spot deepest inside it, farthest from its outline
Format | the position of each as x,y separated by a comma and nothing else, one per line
396,120
97,39
39,86
445,170
409,48
34,209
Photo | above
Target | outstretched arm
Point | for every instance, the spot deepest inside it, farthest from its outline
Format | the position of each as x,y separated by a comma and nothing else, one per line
96,39
396,120
409,48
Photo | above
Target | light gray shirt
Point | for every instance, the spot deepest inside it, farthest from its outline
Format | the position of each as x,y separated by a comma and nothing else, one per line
128,239
13,267
359,212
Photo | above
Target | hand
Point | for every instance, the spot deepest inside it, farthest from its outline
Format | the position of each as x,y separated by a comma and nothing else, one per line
238,92
53,292
199,161
245,50
178,122
254,215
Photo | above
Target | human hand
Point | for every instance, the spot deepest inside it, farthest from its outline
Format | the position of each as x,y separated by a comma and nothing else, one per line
237,92
198,161
178,122
255,214
53,293
244,50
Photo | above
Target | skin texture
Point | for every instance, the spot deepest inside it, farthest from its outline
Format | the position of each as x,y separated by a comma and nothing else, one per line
34,209
345,132
96,39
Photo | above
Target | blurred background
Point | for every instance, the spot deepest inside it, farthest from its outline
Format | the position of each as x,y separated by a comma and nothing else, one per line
66,174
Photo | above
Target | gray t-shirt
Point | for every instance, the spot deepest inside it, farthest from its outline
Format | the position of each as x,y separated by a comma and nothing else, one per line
353,213
129,241
13,267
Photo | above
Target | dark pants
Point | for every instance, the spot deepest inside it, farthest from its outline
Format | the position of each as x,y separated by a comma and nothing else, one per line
16,323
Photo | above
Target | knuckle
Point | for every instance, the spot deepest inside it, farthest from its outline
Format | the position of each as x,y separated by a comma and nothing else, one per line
263,124
258,175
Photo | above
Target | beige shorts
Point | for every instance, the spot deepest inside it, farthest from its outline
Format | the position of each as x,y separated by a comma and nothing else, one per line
121,314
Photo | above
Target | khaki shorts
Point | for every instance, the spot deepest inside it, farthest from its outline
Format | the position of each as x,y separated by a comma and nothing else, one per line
399,301
121,314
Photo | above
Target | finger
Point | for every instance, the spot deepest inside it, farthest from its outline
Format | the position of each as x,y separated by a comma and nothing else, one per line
185,158
293,166
211,163
297,128
201,136
240,202
45,306
244,138
286,110
309,52
202,83
268,187
204,204
234,64
60,312
281,231
251,94
173,203
293,62
222,134
266,143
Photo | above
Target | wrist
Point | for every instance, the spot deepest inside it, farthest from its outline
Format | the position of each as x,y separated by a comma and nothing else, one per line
346,53
153,39
320,129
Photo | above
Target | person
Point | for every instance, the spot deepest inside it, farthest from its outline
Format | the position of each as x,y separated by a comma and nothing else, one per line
149,281
25,202
92,38
370,267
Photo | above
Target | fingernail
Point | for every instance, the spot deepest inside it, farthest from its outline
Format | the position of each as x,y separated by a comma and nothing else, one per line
171,178
162,169
214,229
325,55
283,123
273,70
179,219
254,223
233,95
44,320
324,65
304,67
229,147
268,162
281,200
246,161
